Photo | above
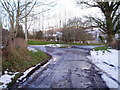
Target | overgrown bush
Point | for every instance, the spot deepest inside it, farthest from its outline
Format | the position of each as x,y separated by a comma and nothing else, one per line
16,57
5,37
14,53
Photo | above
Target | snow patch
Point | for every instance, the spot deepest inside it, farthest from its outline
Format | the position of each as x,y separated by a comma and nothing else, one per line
26,72
109,82
5,79
56,45
32,49
108,62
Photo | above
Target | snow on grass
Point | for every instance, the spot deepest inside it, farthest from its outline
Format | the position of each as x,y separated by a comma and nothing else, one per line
26,72
6,78
56,45
108,62
32,49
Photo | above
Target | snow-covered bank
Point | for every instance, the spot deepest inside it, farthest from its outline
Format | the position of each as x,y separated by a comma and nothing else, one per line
6,78
108,62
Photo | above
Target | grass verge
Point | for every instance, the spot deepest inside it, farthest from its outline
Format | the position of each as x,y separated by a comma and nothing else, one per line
15,64
35,42
22,65
103,49
16,58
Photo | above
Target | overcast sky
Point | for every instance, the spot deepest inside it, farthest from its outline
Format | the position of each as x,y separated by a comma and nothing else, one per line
67,8
64,10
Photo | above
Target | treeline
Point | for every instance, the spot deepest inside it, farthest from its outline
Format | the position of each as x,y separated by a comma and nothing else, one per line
76,31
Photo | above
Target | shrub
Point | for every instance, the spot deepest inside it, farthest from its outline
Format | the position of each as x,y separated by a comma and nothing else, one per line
14,53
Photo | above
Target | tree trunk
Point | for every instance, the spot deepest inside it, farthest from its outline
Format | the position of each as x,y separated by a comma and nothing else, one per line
110,39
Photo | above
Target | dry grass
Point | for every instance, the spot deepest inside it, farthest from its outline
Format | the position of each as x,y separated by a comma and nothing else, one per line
13,54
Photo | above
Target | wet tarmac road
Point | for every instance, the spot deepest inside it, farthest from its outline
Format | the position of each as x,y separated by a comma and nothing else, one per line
68,68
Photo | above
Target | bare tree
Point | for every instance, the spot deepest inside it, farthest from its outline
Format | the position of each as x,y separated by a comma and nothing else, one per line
16,12
111,23
75,31
34,16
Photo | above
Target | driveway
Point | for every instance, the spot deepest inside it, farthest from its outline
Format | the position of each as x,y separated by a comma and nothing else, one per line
68,68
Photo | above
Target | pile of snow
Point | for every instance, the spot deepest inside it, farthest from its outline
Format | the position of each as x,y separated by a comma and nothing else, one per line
5,79
32,49
108,62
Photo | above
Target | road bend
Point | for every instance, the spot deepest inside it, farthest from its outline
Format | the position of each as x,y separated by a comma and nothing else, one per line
68,68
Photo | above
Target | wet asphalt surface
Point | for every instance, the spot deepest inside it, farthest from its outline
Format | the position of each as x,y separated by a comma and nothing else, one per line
68,68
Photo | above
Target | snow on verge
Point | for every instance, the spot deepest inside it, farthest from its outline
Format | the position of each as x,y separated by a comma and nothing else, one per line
26,72
108,62
32,49
5,79
110,83
56,45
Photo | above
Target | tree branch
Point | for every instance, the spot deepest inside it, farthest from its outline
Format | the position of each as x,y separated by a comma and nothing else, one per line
29,11
115,9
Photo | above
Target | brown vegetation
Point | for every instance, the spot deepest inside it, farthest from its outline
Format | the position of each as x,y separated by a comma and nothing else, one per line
15,50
